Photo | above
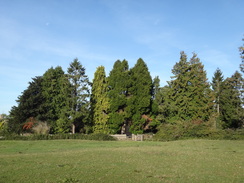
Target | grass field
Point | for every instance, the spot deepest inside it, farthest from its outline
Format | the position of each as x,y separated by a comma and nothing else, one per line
122,161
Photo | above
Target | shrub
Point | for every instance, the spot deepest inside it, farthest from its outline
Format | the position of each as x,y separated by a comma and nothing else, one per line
193,129
100,137
169,131
41,128
3,128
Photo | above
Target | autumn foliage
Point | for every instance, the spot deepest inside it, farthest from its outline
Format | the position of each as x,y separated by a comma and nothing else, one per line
28,125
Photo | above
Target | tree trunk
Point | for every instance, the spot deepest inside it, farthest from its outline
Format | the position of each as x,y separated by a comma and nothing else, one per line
73,129
218,106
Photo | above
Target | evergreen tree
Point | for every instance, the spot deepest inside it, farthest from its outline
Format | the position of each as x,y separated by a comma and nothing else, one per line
166,110
190,94
16,120
241,49
201,94
29,105
157,98
100,101
56,93
216,85
178,89
79,95
231,110
140,96
118,88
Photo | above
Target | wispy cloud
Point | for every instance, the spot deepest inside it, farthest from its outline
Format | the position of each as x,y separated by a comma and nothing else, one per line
216,58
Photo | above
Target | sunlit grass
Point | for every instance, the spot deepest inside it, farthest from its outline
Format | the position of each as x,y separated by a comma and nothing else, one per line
121,161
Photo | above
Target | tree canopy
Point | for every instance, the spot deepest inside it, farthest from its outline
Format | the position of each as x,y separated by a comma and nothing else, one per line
128,100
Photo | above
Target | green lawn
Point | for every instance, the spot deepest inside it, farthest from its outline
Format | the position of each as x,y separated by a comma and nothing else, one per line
122,161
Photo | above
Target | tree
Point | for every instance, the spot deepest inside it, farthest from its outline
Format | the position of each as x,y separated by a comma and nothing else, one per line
177,92
156,112
231,110
118,89
79,94
202,103
100,101
3,124
241,49
166,110
189,95
56,93
216,85
157,98
140,96
29,105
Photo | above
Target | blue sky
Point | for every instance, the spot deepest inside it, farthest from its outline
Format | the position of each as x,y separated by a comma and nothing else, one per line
38,34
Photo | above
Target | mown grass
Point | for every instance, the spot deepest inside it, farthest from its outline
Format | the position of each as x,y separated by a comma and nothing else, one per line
121,161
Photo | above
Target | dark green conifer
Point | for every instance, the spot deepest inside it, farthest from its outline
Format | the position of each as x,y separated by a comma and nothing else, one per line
29,105
118,88
216,85
241,49
231,110
55,87
190,94
79,109
140,95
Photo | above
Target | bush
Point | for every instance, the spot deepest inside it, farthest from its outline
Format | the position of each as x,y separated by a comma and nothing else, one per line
188,130
100,137
169,131
227,134
14,136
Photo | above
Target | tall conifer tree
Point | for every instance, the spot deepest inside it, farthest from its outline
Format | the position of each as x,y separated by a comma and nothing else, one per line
140,95
79,94
178,89
231,110
118,88
216,85
201,94
29,105
241,49
100,101
190,93
56,94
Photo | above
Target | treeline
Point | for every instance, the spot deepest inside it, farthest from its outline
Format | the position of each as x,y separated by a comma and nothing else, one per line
128,100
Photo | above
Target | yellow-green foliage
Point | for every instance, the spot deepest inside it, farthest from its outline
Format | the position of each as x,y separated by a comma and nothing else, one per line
100,101
3,125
